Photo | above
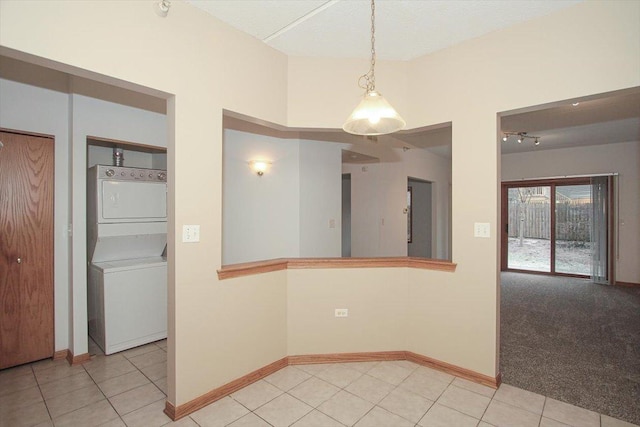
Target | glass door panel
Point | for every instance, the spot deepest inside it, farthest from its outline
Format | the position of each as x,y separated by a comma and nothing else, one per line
529,230
573,229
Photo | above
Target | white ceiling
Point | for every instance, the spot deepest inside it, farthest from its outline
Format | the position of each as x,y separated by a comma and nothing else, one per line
602,120
405,29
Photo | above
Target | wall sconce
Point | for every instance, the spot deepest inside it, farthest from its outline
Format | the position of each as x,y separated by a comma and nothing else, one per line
259,166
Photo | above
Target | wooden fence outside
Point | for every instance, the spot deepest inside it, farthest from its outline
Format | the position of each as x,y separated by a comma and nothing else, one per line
572,221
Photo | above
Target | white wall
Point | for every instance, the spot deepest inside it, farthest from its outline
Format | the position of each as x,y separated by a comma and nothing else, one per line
365,210
622,158
34,109
98,155
320,199
260,214
286,212
378,200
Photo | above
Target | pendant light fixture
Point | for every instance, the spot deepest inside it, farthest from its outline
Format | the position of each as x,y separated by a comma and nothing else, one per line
373,115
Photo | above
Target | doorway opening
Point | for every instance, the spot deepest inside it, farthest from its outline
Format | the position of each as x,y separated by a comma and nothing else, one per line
557,226
346,215
419,218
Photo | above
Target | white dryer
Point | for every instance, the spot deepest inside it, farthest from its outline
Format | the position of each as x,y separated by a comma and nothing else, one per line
126,237
128,302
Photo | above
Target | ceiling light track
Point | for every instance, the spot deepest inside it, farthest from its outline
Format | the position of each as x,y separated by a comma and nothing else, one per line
300,20
521,137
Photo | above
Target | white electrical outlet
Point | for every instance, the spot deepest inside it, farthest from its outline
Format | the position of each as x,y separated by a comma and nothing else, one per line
190,233
342,312
482,229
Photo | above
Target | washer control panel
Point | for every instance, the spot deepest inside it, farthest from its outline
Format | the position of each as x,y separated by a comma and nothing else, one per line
124,173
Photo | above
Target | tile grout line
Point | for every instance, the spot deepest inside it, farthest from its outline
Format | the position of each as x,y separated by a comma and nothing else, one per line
339,390
117,376
105,396
544,404
33,372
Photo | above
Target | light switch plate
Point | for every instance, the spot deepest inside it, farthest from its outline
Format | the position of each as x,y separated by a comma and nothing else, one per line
482,229
190,233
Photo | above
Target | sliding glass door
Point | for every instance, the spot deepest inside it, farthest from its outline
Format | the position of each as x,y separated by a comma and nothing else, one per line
573,229
529,223
557,227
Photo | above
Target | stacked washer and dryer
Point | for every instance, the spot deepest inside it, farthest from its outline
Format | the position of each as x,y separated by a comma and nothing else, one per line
127,272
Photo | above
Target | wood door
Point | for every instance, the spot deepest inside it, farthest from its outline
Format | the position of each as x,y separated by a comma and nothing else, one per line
26,249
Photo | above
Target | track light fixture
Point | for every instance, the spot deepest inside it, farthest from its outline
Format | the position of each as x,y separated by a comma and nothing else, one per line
521,137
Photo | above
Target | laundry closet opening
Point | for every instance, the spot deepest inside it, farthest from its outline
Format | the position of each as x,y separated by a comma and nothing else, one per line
126,243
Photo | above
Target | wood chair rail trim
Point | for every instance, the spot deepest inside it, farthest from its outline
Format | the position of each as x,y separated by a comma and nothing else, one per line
258,267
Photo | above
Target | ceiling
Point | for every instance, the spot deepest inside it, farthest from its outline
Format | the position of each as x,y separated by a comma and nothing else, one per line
405,29
607,119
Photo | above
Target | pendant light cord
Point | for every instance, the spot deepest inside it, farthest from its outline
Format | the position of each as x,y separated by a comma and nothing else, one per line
368,81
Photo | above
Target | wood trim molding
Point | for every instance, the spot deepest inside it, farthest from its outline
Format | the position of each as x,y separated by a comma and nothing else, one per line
181,411
259,267
112,143
310,359
457,371
77,360
28,133
627,284
175,413
251,268
60,354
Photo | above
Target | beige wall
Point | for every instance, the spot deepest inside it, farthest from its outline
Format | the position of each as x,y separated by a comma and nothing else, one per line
622,158
220,331
530,64
377,304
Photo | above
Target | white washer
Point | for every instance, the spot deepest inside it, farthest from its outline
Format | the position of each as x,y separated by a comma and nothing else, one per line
127,302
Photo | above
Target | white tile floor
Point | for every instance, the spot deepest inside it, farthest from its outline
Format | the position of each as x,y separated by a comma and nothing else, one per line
128,389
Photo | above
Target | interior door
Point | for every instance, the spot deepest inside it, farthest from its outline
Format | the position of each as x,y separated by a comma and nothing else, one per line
26,249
